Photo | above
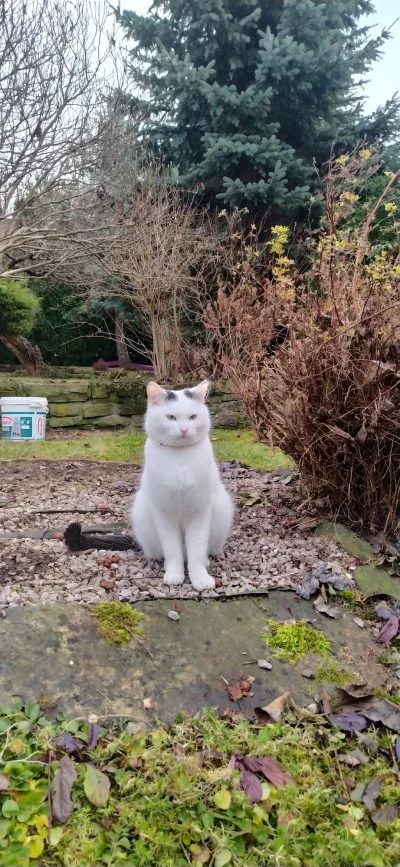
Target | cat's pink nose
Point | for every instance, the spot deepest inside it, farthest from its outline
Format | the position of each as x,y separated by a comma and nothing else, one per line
184,430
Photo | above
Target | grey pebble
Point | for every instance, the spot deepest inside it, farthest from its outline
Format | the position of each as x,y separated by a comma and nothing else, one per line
173,615
263,663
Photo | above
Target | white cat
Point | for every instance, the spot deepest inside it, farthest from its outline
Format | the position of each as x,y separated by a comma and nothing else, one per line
182,510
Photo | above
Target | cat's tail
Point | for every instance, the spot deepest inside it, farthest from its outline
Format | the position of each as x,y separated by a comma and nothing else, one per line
76,540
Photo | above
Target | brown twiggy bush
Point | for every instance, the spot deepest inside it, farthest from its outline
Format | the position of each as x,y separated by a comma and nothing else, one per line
329,394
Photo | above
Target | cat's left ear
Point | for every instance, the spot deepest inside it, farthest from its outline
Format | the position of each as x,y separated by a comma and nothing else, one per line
201,391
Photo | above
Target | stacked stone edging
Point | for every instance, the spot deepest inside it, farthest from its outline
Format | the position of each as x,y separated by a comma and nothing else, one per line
102,402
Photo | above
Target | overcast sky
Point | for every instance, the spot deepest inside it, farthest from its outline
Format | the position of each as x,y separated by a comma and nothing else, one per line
385,75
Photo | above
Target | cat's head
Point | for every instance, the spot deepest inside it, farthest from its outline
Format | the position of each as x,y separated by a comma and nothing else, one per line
177,418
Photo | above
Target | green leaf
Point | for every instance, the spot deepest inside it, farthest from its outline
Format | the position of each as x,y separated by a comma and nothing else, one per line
55,835
5,826
32,800
96,786
223,801
35,846
223,857
9,808
266,791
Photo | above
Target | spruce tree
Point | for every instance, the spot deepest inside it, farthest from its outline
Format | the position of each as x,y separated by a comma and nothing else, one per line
242,95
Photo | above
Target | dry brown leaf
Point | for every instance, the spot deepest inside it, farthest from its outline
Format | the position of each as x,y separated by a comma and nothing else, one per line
272,712
326,702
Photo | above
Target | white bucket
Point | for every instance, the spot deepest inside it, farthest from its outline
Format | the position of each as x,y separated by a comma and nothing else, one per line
23,418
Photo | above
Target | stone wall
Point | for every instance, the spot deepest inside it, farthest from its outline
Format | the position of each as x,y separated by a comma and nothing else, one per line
102,401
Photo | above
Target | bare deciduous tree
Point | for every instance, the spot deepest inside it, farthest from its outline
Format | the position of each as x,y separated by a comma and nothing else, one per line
56,74
158,252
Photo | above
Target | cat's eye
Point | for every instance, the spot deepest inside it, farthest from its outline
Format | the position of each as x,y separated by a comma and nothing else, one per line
171,417
192,417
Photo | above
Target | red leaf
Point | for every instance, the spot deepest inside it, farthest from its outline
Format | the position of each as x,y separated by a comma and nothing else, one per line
251,785
373,791
389,630
239,687
349,722
386,814
274,772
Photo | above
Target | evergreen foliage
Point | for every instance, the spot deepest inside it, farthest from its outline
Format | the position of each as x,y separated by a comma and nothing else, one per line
243,95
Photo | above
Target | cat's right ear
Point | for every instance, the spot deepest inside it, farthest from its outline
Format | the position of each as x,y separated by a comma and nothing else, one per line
155,394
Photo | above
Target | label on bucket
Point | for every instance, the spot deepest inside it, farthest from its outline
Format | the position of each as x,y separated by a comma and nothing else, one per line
6,426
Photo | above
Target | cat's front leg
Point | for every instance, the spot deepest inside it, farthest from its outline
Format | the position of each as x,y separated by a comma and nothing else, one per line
170,537
196,538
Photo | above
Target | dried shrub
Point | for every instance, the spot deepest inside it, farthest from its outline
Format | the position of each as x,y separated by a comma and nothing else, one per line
329,394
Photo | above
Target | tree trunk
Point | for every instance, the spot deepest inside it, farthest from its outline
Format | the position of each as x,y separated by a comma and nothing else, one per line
122,347
29,356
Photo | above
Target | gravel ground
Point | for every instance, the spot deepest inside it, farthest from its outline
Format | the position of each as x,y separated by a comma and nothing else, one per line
270,545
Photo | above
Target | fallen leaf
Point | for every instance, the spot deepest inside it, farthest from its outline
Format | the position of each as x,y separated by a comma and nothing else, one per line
222,799
4,783
263,663
272,711
178,607
358,792
389,630
232,715
250,499
64,778
93,735
349,722
324,608
96,786
148,703
354,759
274,772
373,790
106,823
239,687
326,702
251,785
386,814
65,741
285,819
386,712
357,690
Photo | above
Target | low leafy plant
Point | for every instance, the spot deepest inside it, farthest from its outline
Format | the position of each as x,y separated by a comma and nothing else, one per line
202,791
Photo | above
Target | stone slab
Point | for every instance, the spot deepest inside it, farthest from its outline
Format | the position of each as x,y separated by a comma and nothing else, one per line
370,579
56,651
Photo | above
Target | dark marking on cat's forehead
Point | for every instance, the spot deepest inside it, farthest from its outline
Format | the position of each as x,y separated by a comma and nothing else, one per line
170,395
188,393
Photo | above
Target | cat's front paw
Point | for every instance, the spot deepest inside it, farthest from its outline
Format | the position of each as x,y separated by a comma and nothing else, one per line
202,581
172,578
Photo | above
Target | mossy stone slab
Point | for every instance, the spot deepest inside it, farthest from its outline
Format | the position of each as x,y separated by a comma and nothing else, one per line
370,579
57,651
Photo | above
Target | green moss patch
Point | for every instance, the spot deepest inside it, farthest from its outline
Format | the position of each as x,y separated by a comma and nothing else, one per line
292,642
117,622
